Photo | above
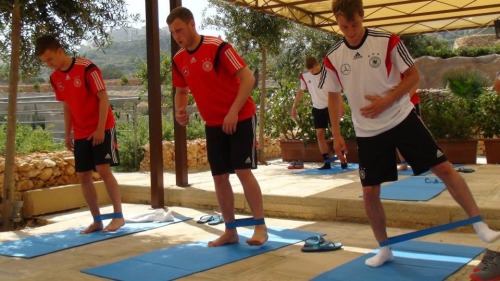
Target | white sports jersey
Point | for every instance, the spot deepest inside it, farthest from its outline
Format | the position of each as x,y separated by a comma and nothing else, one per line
310,82
374,67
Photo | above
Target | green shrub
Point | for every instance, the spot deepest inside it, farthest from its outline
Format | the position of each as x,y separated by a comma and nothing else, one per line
489,114
29,140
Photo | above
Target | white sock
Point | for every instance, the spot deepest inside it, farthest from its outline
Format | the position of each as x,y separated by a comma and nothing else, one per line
485,233
384,255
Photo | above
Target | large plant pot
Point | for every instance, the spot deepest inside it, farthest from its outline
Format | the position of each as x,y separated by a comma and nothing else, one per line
298,150
352,147
459,151
492,149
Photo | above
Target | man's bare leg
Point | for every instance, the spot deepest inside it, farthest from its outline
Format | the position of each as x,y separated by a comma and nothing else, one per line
90,196
376,216
225,197
460,191
253,195
114,194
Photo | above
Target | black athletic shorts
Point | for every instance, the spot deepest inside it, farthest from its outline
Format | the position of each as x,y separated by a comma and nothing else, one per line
227,153
377,154
88,156
321,118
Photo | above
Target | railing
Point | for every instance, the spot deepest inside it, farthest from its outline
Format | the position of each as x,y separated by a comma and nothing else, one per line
47,113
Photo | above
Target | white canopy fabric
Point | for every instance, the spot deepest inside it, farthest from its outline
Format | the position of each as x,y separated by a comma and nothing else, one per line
394,16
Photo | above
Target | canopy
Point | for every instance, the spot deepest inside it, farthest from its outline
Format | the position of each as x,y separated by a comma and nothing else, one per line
394,16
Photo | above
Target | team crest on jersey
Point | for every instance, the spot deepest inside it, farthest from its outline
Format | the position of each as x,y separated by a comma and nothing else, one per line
207,65
345,69
375,61
60,86
77,82
185,71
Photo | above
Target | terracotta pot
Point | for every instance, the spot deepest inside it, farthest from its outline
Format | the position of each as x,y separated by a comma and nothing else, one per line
297,150
492,149
459,151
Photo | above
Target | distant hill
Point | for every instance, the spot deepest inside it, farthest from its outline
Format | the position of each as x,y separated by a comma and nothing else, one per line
125,53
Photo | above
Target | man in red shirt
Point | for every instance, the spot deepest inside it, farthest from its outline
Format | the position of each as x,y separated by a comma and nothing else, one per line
78,83
221,84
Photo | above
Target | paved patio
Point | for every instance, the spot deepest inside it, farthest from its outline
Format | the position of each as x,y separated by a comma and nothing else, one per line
328,204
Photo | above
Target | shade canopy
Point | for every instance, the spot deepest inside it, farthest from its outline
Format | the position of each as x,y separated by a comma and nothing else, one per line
394,16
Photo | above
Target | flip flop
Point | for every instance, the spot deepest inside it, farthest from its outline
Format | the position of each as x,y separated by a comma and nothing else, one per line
465,170
205,219
216,219
318,244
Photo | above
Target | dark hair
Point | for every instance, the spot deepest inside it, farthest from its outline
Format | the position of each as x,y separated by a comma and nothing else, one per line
181,13
46,42
311,62
347,8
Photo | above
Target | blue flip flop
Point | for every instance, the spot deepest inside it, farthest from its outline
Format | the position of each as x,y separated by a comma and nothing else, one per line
216,219
318,244
205,219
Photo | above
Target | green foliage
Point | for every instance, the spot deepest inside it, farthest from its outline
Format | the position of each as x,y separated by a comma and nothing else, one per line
489,114
278,114
465,83
36,86
93,22
29,140
247,29
133,134
346,125
124,80
448,117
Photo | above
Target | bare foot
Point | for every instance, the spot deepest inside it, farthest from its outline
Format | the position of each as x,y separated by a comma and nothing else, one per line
114,225
259,236
403,167
229,237
93,227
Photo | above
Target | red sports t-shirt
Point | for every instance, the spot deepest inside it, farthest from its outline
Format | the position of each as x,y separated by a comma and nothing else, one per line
78,87
209,73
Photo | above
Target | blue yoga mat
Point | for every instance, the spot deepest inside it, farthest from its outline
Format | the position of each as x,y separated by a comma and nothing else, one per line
38,245
413,260
336,169
413,189
409,172
183,260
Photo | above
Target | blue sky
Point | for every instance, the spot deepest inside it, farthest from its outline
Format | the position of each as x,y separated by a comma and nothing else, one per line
196,6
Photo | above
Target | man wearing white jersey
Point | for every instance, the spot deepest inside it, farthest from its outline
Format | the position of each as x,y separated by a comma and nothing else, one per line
309,81
375,71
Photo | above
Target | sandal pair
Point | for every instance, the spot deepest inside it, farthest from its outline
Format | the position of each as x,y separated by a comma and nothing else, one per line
211,219
318,244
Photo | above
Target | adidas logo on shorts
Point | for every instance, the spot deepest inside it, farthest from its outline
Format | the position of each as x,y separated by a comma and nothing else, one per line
248,161
107,156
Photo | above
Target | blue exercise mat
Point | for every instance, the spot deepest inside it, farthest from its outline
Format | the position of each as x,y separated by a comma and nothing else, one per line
38,245
183,260
409,172
413,260
413,189
336,169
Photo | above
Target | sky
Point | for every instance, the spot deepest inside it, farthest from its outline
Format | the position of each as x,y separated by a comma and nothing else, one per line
196,6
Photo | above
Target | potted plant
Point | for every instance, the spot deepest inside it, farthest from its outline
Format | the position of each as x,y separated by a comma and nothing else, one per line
451,115
489,125
298,137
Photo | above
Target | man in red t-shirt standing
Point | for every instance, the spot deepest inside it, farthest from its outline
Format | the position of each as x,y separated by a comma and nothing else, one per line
221,84
78,83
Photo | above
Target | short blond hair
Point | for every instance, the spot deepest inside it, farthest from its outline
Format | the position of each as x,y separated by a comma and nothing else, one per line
347,8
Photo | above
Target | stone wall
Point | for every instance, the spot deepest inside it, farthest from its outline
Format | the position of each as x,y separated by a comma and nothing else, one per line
432,68
480,40
40,170
197,154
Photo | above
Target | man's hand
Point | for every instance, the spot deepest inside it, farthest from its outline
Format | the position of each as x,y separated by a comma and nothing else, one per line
378,105
182,117
230,122
68,142
340,148
97,137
